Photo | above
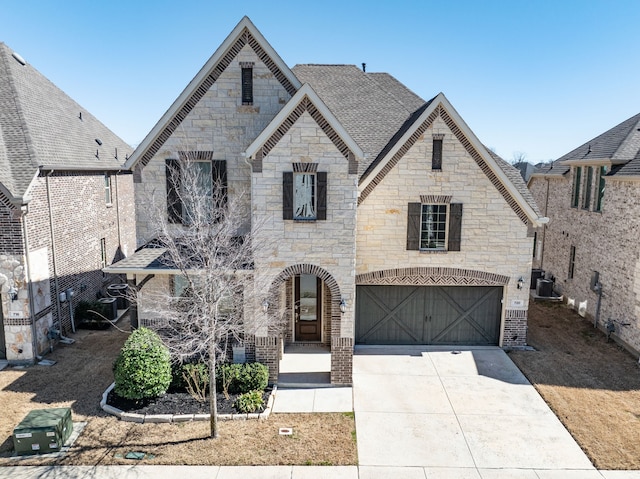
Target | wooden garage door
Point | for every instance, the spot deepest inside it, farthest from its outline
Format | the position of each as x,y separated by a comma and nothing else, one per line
428,315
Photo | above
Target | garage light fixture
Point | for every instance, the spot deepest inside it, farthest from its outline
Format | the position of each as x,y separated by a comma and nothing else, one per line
343,306
520,282
265,306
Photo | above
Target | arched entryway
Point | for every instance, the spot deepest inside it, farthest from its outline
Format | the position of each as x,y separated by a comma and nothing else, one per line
311,323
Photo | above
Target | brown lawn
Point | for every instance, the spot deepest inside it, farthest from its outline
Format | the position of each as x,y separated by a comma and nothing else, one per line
592,386
83,372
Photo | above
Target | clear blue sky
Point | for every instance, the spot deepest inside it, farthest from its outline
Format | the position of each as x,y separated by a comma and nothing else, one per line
538,77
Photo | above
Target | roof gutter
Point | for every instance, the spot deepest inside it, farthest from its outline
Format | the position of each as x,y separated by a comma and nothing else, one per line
51,169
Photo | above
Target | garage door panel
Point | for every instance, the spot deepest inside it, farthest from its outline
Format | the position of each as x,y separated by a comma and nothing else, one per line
428,315
390,315
465,316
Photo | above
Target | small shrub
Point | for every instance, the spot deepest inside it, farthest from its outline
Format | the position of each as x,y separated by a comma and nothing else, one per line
143,367
242,378
249,402
196,378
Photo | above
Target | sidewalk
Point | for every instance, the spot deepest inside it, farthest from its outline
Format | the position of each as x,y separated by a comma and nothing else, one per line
296,472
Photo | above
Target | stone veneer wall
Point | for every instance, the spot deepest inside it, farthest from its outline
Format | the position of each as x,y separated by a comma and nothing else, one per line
219,123
325,247
605,241
494,237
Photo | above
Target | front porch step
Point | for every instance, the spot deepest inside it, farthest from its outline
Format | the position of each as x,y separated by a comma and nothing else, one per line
313,379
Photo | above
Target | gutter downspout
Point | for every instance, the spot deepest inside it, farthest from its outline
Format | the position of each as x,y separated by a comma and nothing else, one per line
544,228
53,256
34,338
117,175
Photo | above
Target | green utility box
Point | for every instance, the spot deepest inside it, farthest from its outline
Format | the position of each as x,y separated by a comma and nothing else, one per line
42,431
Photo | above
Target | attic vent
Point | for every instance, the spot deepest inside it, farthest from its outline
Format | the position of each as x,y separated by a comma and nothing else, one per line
98,141
19,59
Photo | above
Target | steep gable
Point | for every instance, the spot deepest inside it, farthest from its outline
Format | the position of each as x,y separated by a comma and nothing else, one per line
305,100
245,33
507,182
40,126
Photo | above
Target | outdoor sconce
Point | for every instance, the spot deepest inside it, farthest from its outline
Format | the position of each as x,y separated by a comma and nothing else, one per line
265,306
13,293
520,282
343,306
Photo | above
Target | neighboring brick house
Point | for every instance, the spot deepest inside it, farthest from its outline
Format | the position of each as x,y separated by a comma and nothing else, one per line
393,223
66,207
592,197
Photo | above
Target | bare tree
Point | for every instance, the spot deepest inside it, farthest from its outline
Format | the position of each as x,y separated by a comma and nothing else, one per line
518,157
216,294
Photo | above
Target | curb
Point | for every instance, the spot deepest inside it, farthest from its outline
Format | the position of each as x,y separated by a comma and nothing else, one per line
168,418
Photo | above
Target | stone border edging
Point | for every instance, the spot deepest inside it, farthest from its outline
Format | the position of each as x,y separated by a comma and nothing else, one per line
166,418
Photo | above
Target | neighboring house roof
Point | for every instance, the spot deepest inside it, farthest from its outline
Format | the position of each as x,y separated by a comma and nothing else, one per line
42,127
245,33
618,146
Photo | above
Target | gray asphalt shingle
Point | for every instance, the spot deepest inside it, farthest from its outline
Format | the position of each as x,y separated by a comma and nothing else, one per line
619,144
41,126
371,107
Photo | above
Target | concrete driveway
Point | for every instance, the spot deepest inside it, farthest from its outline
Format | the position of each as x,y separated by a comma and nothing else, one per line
468,413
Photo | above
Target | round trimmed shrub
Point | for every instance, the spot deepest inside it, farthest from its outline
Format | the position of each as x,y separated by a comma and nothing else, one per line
243,378
143,367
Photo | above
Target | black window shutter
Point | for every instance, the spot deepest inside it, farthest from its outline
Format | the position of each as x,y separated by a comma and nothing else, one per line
219,188
247,86
455,226
174,205
414,215
287,195
321,179
436,158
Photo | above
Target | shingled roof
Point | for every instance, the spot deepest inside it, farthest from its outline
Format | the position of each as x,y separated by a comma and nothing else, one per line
372,107
40,126
377,110
620,145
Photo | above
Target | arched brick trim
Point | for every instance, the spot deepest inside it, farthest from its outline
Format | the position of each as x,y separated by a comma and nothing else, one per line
244,39
320,273
428,276
305,105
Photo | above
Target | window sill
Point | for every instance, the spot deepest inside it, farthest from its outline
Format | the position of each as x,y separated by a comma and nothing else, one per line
305,220
434,251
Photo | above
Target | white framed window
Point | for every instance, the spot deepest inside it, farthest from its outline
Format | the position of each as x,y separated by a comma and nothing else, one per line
203,193
304,196
602,172
433,227
107,189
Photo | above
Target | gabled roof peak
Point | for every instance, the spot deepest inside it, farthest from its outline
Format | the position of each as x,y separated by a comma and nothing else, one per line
244,33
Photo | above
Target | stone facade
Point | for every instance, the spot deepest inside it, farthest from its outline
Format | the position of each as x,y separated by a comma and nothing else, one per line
494,237
364,235
219,123
604,241
65,220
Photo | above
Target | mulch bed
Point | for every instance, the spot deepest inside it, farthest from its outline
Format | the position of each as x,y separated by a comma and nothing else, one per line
178,402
